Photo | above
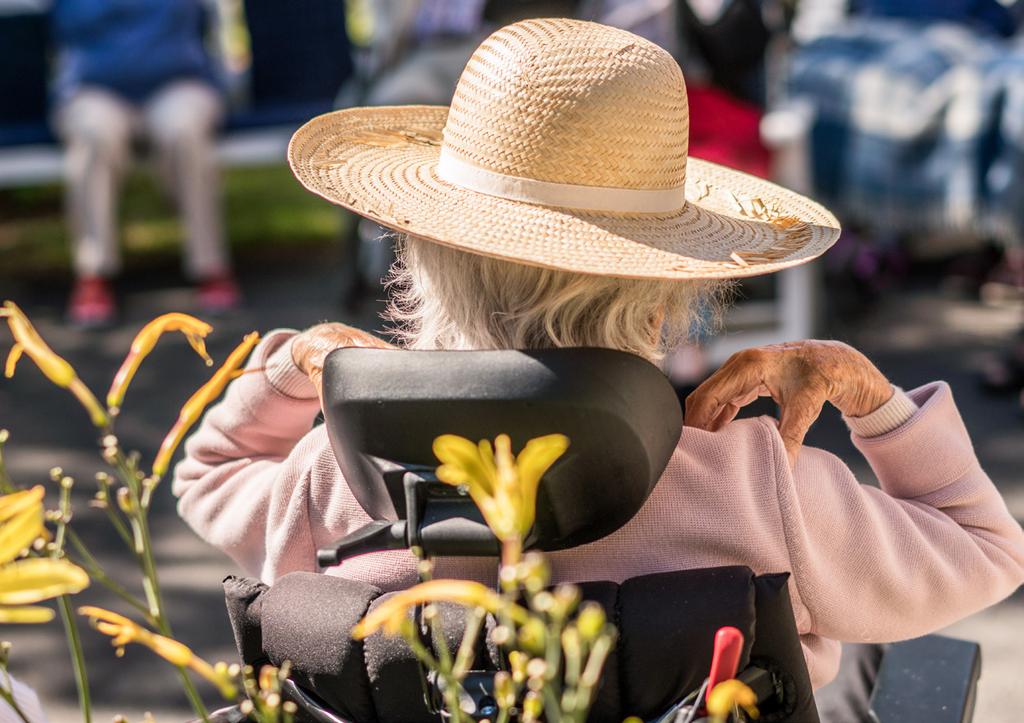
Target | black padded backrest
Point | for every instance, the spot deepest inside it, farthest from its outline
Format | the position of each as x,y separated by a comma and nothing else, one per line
618,410
666,621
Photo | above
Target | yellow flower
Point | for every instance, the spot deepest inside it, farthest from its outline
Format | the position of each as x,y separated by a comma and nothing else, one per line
727,695
193,329
34,579
124,631
22,516
390,613
56,368
502,486
193,409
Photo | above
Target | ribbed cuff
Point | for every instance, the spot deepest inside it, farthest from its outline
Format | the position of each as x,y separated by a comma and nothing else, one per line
886,418
286,377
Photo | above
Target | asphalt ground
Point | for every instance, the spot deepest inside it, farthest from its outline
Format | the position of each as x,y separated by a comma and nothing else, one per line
915,334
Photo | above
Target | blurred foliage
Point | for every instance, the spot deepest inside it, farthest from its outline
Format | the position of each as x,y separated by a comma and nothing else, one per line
266,211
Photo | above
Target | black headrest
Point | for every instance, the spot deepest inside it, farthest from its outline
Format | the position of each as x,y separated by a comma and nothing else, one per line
618,410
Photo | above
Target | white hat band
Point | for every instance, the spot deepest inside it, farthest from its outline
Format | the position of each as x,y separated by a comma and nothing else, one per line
561,195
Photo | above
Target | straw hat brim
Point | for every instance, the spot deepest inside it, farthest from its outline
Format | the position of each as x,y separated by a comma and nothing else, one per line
381,163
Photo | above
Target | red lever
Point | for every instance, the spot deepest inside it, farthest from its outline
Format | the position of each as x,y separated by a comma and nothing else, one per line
726,658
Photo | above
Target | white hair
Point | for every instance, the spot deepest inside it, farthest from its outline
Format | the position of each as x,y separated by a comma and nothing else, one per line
443,298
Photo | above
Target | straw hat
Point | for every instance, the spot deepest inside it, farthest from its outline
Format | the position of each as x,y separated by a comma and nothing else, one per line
564,147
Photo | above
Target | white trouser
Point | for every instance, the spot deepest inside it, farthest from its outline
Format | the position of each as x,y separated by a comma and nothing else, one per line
179,121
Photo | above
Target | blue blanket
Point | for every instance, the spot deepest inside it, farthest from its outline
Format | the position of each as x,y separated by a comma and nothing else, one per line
919,127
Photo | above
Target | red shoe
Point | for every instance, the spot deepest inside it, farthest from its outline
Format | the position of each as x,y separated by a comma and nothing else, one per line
219,294
92,304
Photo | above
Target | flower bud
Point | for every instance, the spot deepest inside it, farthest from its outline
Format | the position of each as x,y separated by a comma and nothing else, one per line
504,690
517,661
124,500
534,572
532,636
536,668
501,635
591,621
533,706
543,602
425,568
268,678
567,597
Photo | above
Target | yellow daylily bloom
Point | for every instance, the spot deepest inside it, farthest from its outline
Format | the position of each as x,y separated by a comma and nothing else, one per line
533,462
502,486
17,502
20,530
194,407
122,631
193,329
473,464
26,614
390,613
39,578
28,341
727,695
56,368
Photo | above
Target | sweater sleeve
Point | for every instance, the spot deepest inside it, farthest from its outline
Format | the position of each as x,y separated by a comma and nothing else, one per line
934,544
257,480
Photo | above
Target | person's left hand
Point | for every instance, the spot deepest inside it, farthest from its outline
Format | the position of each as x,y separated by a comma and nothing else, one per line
311,347
800,376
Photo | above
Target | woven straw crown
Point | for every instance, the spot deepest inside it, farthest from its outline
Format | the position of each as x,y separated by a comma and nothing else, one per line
565,146
569,102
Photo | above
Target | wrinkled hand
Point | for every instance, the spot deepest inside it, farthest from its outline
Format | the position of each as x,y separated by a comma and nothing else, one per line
800,377
311,347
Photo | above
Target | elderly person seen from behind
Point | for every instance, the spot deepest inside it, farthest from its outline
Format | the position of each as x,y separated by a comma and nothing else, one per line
554,205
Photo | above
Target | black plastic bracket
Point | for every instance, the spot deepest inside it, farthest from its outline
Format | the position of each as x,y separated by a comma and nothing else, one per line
376,536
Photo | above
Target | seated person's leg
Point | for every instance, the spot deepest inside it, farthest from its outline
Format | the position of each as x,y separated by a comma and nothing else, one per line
97,128
182,120
847,698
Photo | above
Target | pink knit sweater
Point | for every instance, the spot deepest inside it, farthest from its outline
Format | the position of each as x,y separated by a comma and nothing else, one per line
934,544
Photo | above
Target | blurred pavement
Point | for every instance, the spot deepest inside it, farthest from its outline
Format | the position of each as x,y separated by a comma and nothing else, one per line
915,336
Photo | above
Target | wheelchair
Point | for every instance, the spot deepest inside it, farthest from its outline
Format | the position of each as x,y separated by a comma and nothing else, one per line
383,409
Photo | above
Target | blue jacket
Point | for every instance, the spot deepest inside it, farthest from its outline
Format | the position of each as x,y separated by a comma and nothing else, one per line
132,47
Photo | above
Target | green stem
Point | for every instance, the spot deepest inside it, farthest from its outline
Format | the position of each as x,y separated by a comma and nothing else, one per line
115,520
67,617
591,675
67,614
465,654
143,547
193,696
96,572
8,697
5,482
552,705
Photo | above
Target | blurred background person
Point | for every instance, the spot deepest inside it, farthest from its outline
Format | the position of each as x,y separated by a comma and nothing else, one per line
919,144
129,69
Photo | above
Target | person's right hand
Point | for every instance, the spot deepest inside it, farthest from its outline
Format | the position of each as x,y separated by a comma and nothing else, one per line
311,347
